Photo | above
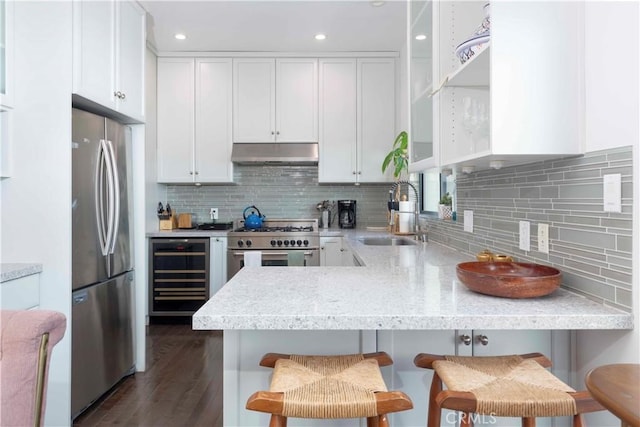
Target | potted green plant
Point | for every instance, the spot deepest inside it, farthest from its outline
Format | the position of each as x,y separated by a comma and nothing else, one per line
444,208
398,155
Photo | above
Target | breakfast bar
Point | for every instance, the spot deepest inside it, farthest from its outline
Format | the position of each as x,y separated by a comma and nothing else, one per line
403,299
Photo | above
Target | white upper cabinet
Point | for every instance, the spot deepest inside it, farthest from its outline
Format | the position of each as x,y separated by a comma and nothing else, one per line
357,118
338,115
176,119
424,153
376,117
194,120
275,100
213,97
520,98
109,51
6,54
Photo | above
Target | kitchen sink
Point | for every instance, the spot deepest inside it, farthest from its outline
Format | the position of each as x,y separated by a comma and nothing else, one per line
387,241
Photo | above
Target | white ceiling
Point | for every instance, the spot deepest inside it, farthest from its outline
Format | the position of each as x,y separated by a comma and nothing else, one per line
280,26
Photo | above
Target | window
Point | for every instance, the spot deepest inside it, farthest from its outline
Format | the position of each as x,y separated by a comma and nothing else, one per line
433,185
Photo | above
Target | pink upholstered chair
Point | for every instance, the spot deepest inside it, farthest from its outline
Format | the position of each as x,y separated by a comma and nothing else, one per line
26,340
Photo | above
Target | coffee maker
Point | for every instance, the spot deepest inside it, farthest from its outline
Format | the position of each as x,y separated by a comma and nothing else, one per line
347,213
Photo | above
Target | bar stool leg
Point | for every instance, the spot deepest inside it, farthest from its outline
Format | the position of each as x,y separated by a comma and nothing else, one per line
434,409
577,421
466,420
379,421
278,421
528,422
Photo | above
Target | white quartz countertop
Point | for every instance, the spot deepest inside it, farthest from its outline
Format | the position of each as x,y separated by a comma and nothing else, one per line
13,271
399,287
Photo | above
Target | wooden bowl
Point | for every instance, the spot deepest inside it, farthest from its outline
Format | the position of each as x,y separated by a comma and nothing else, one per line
509,279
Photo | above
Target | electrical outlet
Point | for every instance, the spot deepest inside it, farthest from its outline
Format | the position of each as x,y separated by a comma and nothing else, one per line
213,213
468,221
543,238
525,236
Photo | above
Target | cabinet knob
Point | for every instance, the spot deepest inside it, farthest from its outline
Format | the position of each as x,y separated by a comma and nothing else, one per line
273,133
359,172
354,172
197,172
465,339
190,172
483,339
277,132
122,95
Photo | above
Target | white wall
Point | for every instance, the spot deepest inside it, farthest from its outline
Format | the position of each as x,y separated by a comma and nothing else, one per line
36,200
612,118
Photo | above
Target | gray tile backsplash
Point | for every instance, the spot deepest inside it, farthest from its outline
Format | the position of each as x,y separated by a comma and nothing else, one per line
279,192
591,247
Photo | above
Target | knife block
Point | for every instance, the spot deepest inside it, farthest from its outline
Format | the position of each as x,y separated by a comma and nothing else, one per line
169,223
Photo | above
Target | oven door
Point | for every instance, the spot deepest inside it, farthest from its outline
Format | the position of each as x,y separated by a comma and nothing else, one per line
270,258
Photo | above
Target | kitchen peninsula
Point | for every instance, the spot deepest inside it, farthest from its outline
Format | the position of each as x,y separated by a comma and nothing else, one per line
402,294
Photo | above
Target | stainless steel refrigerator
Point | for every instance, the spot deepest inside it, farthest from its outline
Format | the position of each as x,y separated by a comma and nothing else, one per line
102,262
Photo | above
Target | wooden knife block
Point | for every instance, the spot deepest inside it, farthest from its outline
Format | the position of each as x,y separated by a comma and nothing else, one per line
169,224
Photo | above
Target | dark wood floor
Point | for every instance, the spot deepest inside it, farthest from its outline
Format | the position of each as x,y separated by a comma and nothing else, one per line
182,385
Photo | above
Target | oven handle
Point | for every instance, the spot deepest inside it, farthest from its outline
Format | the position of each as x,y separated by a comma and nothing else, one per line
238,254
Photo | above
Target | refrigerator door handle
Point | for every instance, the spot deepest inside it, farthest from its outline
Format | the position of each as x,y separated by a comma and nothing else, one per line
115,205
101,167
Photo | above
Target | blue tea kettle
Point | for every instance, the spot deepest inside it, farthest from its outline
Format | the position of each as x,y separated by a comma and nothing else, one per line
254,220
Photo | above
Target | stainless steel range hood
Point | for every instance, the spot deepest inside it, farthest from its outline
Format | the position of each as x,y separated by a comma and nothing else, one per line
269,153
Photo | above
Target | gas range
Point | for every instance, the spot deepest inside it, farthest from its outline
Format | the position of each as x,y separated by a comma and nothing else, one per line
277,234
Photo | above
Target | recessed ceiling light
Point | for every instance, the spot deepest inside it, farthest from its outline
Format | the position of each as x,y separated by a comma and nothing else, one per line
180,36
377,3
320,36
421,37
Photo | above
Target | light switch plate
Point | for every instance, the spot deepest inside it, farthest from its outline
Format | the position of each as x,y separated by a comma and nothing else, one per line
525,236
468,221
543,238
612,192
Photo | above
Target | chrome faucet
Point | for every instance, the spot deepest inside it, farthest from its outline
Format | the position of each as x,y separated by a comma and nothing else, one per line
416,213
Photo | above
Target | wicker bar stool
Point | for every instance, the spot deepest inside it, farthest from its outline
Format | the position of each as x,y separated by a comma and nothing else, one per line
501,386
343,386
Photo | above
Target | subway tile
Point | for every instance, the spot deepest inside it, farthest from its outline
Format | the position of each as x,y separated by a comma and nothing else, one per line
624,244
624,297
587,238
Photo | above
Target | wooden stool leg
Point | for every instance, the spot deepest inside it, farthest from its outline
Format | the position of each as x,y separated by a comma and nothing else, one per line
278,421
379,421
528,422
465,420
577,421
435,411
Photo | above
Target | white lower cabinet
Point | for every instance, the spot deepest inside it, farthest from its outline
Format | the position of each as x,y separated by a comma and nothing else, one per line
194,120
20,294
218,264
403,346
335,252
330,251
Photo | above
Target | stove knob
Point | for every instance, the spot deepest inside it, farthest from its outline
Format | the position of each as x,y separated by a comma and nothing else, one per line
273,242
240,243
305,242
279,242
249,242
299,243
293,242
286,243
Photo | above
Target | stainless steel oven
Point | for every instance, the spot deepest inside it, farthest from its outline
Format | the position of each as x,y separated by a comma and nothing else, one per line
279,242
